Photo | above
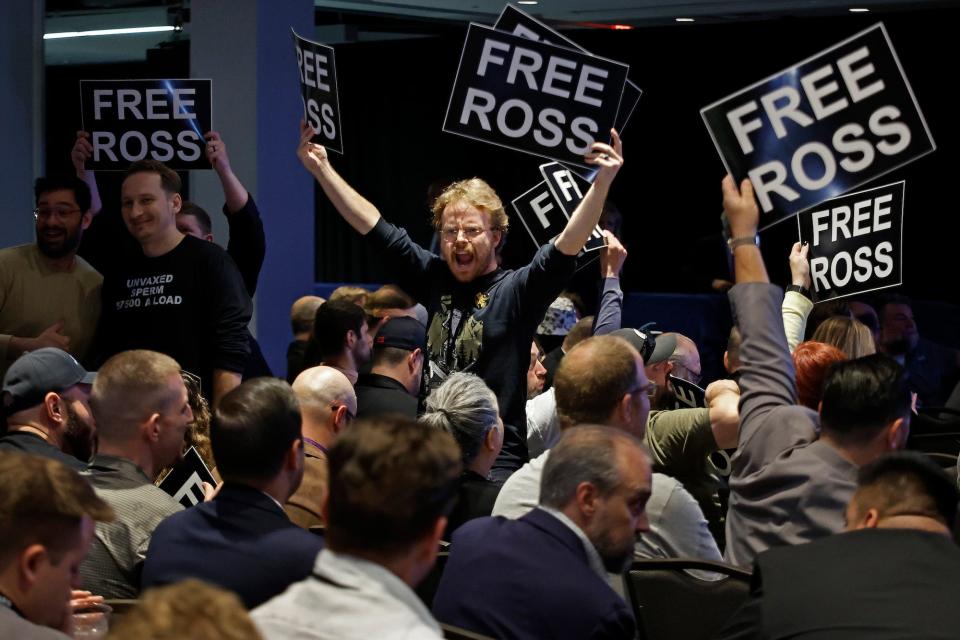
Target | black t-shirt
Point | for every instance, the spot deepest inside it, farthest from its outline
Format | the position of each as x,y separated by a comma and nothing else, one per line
484,326
189,303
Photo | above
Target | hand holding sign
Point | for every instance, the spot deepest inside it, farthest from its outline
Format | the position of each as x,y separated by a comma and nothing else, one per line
799,265
740,207
612,257
609,157
313,156
81,152
217,152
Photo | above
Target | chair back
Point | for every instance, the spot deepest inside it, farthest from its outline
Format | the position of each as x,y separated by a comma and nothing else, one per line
935,430
669,602
427,588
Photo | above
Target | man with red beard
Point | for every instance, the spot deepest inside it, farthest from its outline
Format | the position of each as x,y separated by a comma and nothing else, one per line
482,317
49,296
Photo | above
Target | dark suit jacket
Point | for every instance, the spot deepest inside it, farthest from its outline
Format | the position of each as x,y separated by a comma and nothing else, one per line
527,578
475,498
871,584
241,541
378,394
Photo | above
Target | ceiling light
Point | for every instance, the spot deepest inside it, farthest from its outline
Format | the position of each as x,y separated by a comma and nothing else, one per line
621,27
684,19
106,32
859,10
526,1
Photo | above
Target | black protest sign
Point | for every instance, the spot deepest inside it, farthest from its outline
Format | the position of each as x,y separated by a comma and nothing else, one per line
513,20
318,91
184,482
856,242
687,395
541,215
568,189
821,128
130,120
532,96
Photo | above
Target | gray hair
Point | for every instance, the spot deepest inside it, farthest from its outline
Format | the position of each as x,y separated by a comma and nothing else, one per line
585,453
465,407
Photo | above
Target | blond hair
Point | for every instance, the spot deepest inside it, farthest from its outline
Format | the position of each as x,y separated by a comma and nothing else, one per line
187,609
847,334
476,193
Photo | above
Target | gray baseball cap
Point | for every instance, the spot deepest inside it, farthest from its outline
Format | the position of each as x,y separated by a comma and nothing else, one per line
33,375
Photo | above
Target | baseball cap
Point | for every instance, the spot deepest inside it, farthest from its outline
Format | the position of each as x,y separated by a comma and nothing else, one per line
652,348
401,332
39,372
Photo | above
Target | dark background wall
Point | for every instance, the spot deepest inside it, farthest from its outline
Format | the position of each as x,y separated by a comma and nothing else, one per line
394,95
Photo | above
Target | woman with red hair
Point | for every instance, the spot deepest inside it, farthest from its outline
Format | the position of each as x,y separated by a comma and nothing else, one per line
811,360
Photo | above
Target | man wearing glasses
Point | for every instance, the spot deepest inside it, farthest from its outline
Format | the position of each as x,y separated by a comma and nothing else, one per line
482,317
50,297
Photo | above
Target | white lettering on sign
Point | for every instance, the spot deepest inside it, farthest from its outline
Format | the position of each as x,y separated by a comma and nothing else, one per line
537,204
146,104
867,216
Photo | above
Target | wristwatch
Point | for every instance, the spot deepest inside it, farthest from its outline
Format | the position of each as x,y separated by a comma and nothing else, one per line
733,243
801,290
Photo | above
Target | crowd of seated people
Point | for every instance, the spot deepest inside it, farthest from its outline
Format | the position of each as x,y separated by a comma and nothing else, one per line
467,408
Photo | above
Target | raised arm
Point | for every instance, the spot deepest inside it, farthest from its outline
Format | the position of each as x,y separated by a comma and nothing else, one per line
81,152
355,209
609,158
797,306
610,311
234,193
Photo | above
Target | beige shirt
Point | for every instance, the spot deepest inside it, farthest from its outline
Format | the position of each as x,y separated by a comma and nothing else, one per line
34,296
304,507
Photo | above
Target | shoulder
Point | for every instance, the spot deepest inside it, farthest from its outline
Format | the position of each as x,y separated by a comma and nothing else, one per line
85,271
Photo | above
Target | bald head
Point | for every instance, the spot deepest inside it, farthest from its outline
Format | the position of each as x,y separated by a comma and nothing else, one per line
318,388
685,359
302,313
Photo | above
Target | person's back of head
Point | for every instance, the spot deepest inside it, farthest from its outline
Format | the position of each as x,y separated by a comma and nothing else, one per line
811,361
332,323
602,381
347,293
255,433
139,400
865,397
47,513
465,407
327,401
389,300
904,490
685,359
392,483
600,477
303,312
847,334
187,609
578,333
824,310
200,226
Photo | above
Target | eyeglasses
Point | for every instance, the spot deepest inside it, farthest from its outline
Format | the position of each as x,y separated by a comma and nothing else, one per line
650,389
450,234
46,213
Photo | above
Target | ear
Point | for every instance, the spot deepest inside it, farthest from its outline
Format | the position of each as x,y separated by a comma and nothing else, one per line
208,237
151,428
85,220
493,441
339,416
897,433
52,405
726,362
176,202
587,496
625,408
31,561
870,519
294,457
412,360
350,339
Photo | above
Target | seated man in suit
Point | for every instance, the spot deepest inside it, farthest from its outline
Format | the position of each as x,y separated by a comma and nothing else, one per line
392,482
893,574
545,575
242,540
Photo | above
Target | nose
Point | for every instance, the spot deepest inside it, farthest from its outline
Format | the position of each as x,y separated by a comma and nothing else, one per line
539,370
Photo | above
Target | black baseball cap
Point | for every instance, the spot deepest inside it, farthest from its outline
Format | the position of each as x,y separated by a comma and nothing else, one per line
401,332
33,375
653,349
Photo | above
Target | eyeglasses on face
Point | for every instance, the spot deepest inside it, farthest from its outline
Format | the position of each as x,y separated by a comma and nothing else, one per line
450,234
